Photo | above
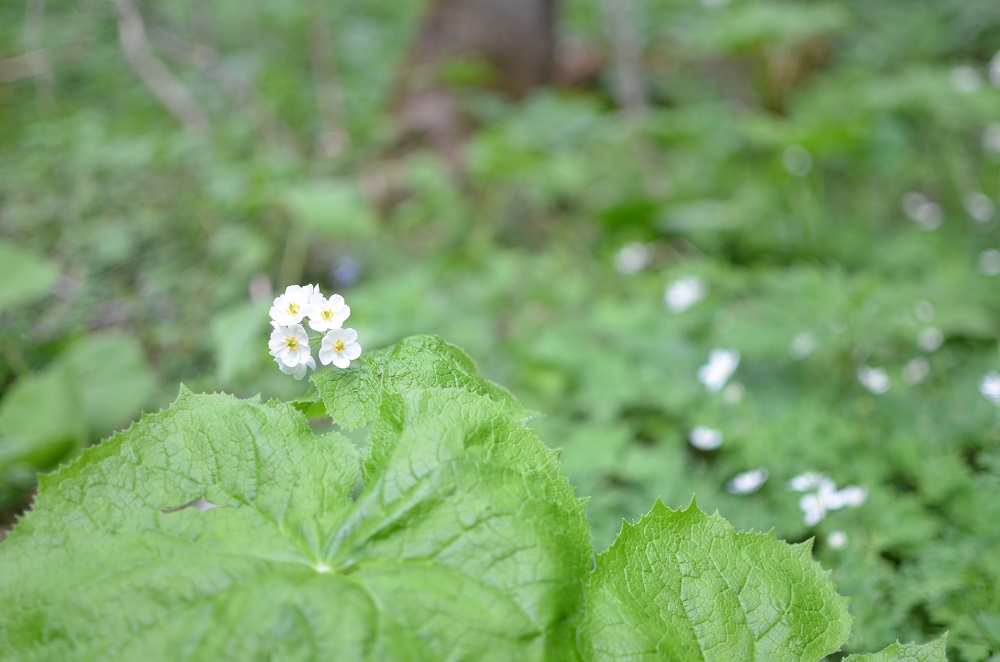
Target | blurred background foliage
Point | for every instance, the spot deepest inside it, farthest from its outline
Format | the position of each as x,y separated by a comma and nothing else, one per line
827,171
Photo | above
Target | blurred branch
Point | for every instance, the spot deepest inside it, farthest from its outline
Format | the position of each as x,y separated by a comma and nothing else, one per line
158,79
237,86
626,55
39,62
35,63
333,137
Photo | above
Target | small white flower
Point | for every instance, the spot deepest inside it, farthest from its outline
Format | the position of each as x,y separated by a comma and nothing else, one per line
705,439
916,370
802,346
807,481
632,258
990,387
290,344
991,139
922,211
815,506
989,262
994,69
340,348
293,305
924,310
827,497
747,482
966,79
797,160
837,540
299,371
326,314
733,393
684,293
930,339
722,363
876,380
980,207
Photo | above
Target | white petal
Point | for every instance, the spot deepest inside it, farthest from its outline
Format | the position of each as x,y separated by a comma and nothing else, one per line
852,496
316,322
814,516
303,355
332,336
350,335
352,350
336,301
805,481
326,354
813,508
341,361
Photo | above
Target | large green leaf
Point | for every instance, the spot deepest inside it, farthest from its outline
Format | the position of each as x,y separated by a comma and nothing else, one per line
354,397
466,542
932,652
683,585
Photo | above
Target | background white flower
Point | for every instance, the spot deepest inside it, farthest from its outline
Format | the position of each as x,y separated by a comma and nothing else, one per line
802,345
747,482
815,506
722,363
632,258
990,387
705,439
876,380
916,370
298,371
326,314
837,540
290,344
684,293
339,348
293,305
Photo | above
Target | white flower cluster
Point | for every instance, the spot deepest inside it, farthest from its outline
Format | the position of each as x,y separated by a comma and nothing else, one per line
289,342
826,496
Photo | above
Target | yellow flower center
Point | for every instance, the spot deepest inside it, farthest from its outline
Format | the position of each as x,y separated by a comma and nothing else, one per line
291,342
327,313
338,346
293,308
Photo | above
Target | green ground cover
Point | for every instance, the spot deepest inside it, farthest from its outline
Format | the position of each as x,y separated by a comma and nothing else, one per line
837,228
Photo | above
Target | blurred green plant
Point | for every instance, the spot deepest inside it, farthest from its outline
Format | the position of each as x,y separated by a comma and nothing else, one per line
828,173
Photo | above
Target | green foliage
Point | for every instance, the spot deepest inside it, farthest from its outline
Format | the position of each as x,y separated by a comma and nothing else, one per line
225,528
669,581
93,387
356,397
23,276
781,142
932,652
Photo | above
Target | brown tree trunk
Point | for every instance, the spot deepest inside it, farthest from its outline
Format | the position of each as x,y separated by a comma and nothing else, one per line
512,42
